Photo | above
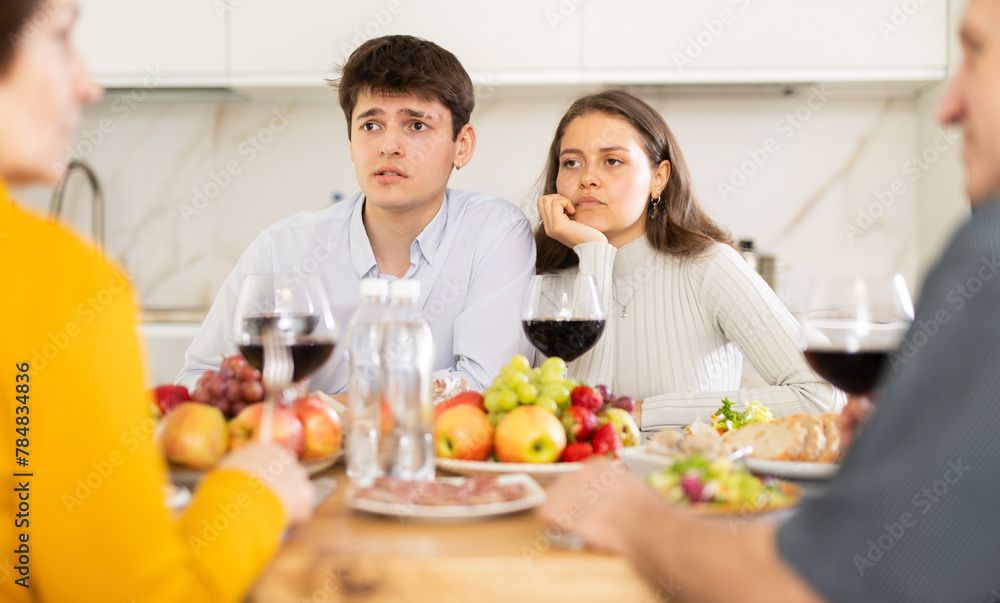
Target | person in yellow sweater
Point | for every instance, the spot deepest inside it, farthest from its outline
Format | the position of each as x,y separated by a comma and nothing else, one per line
81,490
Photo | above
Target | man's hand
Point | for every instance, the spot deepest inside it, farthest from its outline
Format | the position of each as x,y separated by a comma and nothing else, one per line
555,211
854,415
601,504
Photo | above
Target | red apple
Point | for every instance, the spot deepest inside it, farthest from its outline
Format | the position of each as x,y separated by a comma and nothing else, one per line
470,398
464,432
285,428
321,427
168,397
529,434
194,435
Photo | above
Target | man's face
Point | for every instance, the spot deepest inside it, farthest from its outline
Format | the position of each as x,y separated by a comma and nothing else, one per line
402,150
973,98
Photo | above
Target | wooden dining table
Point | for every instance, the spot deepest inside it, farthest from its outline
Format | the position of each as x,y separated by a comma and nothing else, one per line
345,555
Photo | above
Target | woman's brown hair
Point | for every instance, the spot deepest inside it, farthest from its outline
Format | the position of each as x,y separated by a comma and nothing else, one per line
14,14
675,224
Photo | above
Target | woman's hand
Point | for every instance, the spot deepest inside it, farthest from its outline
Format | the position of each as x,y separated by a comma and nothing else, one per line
281,471
555,211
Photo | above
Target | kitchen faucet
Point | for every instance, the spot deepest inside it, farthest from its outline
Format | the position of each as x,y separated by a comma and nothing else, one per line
97,200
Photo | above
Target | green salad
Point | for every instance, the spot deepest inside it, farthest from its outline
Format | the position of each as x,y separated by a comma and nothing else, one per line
719,484
728,418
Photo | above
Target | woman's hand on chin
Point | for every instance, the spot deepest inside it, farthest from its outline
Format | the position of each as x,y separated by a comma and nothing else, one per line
555,211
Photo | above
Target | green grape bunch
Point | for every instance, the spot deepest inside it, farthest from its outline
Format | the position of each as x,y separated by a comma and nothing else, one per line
518,384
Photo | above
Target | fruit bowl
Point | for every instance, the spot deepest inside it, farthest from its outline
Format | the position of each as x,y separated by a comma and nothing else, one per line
185,476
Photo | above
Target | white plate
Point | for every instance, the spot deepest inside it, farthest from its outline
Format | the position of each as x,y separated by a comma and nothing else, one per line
791,469
543,472
190,477
454,513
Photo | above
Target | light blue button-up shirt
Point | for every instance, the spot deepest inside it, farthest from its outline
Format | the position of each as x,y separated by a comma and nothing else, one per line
474,261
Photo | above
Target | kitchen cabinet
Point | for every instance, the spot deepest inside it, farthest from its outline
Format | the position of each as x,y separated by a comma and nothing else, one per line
677,41
299,41
152,43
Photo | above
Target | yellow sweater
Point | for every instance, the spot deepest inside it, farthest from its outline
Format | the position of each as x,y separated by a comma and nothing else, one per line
87,522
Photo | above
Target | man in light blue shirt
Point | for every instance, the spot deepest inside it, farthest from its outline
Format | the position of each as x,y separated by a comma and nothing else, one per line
407,103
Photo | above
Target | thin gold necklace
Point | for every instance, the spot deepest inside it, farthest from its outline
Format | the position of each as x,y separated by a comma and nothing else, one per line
650,263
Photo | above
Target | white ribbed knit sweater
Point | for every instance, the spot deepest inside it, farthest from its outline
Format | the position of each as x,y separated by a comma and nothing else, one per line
690,321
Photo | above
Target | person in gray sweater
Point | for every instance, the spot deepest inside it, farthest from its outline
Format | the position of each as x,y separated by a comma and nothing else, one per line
911,516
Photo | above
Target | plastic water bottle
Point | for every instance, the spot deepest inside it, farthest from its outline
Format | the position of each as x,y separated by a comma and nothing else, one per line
364,397
407,356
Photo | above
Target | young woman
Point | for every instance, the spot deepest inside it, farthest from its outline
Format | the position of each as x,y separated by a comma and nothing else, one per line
683,305
83,490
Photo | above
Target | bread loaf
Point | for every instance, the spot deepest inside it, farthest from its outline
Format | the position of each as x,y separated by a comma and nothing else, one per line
781,440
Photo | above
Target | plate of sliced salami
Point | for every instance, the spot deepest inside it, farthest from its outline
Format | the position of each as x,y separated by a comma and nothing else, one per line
448,499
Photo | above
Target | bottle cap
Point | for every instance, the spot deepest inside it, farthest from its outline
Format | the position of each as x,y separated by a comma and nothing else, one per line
374,287
404,289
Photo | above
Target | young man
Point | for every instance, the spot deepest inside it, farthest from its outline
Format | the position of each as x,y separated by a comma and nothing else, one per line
911,516
407,102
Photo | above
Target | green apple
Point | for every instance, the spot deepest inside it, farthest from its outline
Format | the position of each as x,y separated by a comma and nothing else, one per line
529,434
625,425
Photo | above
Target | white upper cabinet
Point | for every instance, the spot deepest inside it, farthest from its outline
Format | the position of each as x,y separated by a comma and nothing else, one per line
764,40
299,41
183,41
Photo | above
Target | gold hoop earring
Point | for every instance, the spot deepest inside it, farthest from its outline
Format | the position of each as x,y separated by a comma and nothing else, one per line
458,167
654,202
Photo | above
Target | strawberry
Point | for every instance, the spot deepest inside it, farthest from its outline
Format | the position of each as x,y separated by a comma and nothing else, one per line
579,422
587,398
169,396
577,451
606,441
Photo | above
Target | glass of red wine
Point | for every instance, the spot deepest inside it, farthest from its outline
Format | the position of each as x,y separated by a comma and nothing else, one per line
850,325
563,316
292,307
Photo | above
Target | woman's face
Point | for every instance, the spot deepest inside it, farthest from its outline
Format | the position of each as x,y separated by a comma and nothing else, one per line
41,95
605,172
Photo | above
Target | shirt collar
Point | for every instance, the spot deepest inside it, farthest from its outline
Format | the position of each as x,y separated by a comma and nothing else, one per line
362,255
429,239
426,243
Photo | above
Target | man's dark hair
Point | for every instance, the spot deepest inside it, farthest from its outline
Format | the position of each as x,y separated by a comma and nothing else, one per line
406,65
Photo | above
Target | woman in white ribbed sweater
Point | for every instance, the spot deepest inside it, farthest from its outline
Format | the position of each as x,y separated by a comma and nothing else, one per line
683,305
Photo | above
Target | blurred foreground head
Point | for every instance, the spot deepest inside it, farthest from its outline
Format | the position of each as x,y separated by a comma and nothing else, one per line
43,85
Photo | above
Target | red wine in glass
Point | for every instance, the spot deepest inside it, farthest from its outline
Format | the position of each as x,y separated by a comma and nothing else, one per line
855,373
562,315
566,339
851,325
